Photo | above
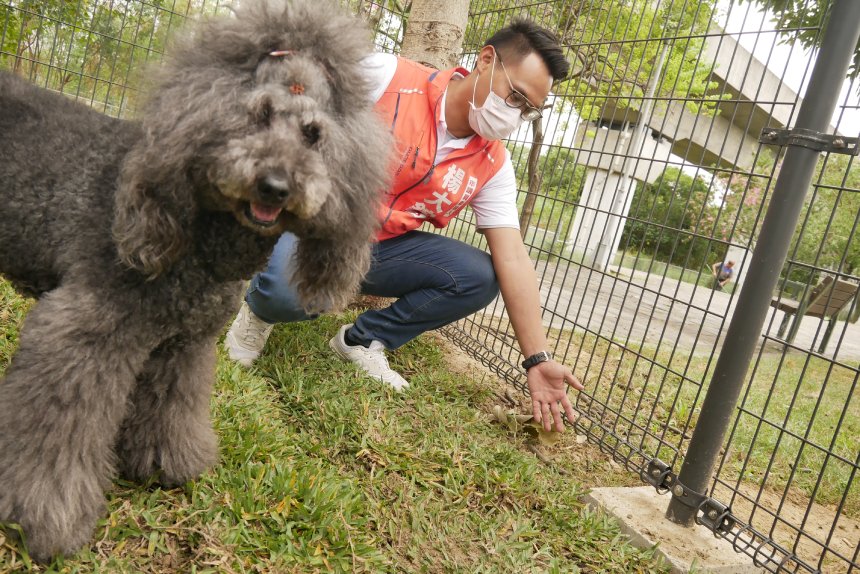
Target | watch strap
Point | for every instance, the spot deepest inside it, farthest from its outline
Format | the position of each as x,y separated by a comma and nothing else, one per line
538,357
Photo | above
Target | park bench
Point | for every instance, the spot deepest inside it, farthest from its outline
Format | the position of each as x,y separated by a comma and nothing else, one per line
827,300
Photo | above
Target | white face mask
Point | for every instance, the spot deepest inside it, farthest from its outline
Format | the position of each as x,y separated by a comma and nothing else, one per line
494,120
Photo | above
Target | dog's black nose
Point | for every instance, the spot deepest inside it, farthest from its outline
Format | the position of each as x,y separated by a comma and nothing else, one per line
273,188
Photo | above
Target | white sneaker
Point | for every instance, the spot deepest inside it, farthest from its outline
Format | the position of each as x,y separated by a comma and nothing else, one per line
371,360
247,336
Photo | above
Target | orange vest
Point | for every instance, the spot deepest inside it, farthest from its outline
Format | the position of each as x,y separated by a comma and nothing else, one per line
424,190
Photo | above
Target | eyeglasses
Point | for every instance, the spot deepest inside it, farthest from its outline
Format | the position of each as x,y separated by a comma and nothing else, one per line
516,99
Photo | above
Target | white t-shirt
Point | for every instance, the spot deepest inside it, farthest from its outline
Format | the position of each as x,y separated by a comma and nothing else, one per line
496,203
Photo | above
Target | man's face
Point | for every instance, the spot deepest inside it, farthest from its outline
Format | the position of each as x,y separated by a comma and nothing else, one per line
529,76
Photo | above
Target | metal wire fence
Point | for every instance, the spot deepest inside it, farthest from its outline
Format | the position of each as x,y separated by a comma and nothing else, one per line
646,176
650,171
93,50
90,49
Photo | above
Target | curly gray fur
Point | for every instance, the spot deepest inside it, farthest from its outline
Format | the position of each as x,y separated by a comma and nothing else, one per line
136,236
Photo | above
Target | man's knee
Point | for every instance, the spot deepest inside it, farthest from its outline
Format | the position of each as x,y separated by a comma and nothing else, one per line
281,305
482,284
271,296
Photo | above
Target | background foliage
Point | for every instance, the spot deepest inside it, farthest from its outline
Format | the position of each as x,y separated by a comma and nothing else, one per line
90,49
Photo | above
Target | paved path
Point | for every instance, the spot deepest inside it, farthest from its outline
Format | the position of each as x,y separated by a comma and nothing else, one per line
633,306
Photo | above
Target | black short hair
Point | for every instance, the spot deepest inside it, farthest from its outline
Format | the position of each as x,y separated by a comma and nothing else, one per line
522,37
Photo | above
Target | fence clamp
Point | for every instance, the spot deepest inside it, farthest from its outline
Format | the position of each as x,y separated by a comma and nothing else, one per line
716,516
659,475
810,139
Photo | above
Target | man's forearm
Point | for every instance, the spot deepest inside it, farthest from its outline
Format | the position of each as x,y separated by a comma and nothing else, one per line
548,380
518,285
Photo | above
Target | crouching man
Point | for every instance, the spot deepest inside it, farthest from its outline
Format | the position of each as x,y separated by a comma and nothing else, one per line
447,126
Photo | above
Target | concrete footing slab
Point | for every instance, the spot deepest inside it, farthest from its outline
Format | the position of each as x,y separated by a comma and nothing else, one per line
641,512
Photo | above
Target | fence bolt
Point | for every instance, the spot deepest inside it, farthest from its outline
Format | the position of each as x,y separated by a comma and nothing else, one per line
839,142
712,515
772,135
655,473
678,490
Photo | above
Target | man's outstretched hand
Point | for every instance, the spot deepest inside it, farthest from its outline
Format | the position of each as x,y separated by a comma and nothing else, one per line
548,388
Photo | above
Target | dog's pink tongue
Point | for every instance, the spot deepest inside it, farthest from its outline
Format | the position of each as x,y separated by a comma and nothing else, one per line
265,213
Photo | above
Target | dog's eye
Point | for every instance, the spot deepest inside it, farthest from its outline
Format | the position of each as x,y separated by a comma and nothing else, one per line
311,133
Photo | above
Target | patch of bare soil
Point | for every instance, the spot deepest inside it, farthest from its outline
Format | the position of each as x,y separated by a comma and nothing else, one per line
816,533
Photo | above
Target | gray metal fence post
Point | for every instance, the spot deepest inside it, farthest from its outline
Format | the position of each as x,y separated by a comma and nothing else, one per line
837,49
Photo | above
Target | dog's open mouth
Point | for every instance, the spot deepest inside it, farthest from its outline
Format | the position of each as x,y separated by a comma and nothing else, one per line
262,215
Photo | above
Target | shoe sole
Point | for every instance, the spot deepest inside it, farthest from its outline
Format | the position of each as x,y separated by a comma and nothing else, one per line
332,343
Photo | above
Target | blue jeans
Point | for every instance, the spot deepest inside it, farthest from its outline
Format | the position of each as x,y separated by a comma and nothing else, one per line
436,280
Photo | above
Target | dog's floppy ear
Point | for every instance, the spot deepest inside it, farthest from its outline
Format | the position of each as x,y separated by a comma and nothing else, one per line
153,213
332,259
328,272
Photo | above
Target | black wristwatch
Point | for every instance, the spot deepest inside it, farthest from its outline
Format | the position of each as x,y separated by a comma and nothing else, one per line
539,357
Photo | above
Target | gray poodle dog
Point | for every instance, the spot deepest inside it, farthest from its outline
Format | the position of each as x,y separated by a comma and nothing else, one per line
136,238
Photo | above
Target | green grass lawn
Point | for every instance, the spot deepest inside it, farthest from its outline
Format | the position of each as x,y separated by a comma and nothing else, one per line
323,470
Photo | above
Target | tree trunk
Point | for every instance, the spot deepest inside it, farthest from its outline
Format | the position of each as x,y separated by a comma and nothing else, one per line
534,176
434,32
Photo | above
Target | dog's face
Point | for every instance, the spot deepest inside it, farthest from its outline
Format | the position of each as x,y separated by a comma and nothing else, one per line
277,169
264,114
293,117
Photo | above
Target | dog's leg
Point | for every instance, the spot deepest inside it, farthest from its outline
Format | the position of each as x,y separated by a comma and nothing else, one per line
168,428
61,403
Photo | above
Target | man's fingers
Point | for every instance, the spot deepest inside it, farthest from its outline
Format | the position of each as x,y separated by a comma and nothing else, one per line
571,380
545,416
556,417
568,410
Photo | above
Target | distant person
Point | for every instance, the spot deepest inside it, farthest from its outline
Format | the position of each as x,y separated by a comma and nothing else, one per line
723,272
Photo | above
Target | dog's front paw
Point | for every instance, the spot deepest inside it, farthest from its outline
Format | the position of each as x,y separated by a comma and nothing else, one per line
172,458
56,517
186,460
44,544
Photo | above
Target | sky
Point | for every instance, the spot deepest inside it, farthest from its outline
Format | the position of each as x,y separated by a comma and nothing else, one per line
747,17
